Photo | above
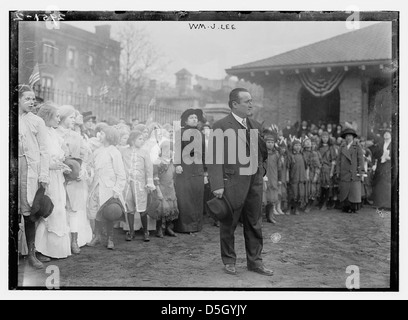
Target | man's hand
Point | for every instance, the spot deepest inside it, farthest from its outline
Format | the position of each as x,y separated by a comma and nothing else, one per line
218,193
179,169
116,195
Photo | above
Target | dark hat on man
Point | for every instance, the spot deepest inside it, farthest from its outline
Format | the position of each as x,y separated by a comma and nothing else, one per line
75,166
42,205
88,116
115,208
220,208
348,131
189,112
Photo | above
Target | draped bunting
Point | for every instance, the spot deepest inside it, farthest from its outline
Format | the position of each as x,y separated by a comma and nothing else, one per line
322,83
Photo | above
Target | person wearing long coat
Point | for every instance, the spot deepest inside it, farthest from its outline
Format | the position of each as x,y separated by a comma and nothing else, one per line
240,182
382,176
189,183
33,165
349,169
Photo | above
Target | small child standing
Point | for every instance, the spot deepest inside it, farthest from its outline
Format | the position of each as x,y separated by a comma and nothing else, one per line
108,181
164,173
328,155
366,186
283,167
273,175
313,165
297,177
139,171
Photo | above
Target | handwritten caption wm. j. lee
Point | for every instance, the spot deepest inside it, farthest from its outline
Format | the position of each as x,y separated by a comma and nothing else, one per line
211,26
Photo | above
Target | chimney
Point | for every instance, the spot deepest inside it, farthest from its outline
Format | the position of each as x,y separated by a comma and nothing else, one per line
103,31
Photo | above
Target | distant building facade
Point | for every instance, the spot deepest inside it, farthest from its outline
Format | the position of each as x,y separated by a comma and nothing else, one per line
70,59
211,95
347,78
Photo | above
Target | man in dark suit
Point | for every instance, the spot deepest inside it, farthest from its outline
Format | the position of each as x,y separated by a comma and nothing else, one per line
241,183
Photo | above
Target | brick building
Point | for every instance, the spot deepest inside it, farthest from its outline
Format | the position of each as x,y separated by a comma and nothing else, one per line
71,60
346,78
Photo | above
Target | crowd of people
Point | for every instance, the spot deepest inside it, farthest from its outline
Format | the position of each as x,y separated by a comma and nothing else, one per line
319,168
101,175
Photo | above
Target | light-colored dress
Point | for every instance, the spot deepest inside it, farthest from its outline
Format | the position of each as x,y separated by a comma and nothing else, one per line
75,146
52,235
109,177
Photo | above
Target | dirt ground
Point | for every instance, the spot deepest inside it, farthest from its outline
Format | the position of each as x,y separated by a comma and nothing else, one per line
313,251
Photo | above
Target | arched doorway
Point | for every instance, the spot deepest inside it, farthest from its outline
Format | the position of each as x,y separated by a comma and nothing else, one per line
325,109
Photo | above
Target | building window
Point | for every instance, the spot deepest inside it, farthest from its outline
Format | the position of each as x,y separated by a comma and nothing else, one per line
71,58
50,53
90,61
46,82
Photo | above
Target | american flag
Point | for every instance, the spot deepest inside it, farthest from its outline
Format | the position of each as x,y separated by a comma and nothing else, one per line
104,90
151,115
35,76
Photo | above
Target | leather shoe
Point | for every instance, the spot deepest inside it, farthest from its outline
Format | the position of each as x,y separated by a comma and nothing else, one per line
261,270
230,269
42,258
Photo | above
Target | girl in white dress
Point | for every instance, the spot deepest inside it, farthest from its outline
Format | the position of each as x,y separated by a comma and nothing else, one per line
77,190
52,236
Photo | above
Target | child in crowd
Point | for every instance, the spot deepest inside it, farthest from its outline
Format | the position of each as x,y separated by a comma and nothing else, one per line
335,182
328,155
164,173
272,178
313,166
366,186
297,177
109,180
283,167
139,172
123,137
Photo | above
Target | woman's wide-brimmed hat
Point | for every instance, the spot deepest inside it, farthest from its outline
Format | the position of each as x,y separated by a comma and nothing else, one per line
348,131
189,112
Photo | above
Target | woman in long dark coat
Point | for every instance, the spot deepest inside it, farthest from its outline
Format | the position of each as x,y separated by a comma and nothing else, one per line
189,183
349,169
382,177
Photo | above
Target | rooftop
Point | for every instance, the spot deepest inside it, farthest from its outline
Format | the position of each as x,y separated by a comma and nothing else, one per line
369,45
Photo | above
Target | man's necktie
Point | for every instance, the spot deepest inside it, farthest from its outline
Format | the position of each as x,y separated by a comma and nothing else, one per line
244,123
